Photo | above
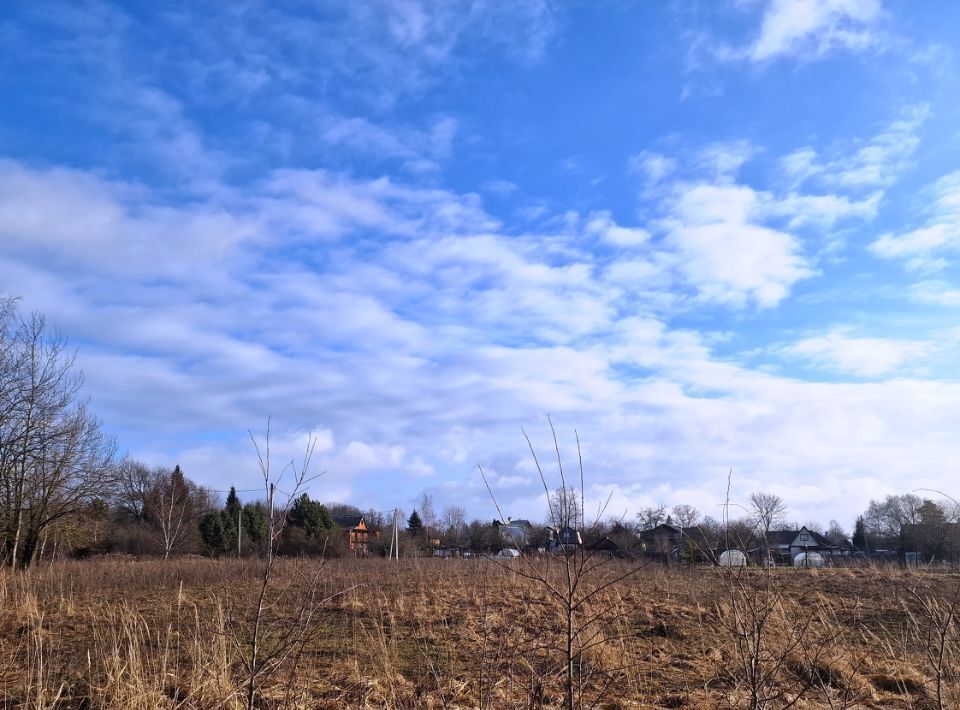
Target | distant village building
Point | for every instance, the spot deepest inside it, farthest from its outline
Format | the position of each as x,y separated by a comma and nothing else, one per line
563,539
355,528
606,546
781,547
672,543
515,533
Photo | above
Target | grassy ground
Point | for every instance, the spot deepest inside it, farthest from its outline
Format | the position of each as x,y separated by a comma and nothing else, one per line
435,633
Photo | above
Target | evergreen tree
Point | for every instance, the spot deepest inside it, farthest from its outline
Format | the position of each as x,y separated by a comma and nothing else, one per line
254,522
414,524
214,534
231,514
860,534
233,506
318,520
310,515
219,530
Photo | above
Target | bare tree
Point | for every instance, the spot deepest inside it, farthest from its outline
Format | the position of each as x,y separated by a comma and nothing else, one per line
54,458
173,506
685,515
582,585
814,526
768,510
886,518
427,513
134,480
651,517
453,520
835,532
565,507
165,501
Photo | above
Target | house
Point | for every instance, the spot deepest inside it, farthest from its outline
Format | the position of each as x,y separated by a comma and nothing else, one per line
606,546
358,535
672,543
563,539
661,541
515,533
782,546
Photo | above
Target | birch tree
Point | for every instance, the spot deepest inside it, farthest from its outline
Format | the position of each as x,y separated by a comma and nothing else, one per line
165,501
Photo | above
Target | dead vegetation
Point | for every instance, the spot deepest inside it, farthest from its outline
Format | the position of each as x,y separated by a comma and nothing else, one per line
116,633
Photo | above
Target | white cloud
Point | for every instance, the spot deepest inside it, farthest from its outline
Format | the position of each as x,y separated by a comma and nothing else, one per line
652,166
872,166
823,210
635,272
937,293
940,234
810,29
840,351
601,224
75,217
416,354
722,161
725,254
801,164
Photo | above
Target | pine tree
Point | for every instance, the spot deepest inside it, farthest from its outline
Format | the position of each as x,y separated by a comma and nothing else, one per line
414,524
233,506
254,522
231,518
213,533
310,515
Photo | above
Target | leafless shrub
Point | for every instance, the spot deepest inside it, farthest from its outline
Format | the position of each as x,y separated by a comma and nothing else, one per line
268,635
580,584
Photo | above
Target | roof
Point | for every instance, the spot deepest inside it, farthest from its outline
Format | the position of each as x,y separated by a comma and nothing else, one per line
672,531
604,544
347,521
569,536
695,532
515,522
664,528
787,537
780,537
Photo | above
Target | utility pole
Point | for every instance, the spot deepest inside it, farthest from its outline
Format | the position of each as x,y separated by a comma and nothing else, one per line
396,534
239,511
394,540
390,553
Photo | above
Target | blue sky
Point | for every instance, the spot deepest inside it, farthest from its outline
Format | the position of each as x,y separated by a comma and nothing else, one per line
706,235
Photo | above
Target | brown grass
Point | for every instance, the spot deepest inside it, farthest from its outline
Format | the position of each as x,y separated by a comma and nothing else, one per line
460,634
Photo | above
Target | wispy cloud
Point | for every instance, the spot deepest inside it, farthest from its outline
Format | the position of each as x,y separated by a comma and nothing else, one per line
937,293
809,29
920,247
841,351
872,166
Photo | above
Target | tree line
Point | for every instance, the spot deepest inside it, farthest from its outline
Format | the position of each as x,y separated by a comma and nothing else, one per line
63,489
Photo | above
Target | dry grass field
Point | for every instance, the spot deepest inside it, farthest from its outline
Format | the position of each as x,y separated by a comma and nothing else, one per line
115,633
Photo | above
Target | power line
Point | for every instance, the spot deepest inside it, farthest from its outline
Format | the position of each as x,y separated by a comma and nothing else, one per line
237,490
